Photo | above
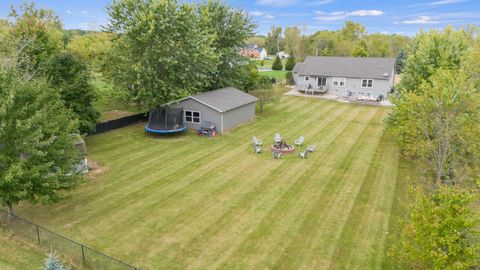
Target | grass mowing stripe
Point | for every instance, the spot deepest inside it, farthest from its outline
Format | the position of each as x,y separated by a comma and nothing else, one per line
343,202
369,219
289,205
286,177
305,237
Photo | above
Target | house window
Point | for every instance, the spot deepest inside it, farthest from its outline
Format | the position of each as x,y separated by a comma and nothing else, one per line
339,82
192,117
367,83
322,81
307,78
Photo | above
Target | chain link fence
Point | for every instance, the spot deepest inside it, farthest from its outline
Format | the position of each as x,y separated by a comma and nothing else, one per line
78,254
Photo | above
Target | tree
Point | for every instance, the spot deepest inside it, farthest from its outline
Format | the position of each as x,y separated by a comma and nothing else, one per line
441,233
71,77
440,124
265,96
277,64
291,62
352,31
293,40
38,151
289,78
52,262
36,36
361,50
274,41
229,29
92,47
430,51
400,61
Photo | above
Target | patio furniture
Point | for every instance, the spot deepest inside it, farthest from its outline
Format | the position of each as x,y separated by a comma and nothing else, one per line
258,149
300,141
256,141
276,155
311,147
277,138
304,154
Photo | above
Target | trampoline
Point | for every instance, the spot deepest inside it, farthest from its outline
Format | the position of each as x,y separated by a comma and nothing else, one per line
166,121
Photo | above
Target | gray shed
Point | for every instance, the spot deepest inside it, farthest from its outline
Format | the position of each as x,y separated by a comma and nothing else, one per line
226,108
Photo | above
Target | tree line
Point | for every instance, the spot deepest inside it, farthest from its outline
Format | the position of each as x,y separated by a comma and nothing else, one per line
351,40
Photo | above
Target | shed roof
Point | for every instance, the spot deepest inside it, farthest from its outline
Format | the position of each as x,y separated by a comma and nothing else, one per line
350,67
224,99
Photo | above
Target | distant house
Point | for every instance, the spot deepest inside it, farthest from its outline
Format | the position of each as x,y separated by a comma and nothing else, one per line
351,77
225,108
254,52
283,54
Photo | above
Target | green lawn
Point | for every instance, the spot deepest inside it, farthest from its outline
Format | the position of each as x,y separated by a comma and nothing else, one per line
190,202
267,63
108,101
15,254
277,74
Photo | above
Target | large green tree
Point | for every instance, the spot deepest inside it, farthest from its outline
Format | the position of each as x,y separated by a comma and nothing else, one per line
441,232
37,150
291,62
70,75
165,50
430,51
274,42
229,29
277,63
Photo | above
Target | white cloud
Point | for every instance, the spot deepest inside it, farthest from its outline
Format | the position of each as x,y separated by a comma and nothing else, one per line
277,3
256,13
419,20
269,16
317,3
68,12
444,2
342,15
83,12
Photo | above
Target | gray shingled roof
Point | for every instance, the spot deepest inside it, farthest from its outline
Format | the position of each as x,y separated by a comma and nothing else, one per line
350,67
225,99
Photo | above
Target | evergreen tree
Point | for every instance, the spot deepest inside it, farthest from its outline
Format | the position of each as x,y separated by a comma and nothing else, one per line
277,64
400,62
291,62
52,262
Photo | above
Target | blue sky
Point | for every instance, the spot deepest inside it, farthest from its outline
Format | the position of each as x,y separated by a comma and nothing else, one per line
401,16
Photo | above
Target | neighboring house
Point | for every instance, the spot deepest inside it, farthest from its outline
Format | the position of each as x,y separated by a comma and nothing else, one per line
253,51
225,108
351,77
283,54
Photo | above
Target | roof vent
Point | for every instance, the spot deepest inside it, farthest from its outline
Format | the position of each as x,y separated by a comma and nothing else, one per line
385,74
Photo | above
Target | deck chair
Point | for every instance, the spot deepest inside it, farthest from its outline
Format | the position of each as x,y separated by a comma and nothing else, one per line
299,141
311,147
276,155
256,141
258,149
304,154
277,138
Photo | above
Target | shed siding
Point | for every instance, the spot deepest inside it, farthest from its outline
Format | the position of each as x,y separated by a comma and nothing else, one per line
238,116
206,113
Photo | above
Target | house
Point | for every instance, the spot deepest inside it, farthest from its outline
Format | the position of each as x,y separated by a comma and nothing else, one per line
349,77
225,108
283,54
253,51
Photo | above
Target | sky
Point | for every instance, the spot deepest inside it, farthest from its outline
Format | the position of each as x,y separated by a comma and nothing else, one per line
404,17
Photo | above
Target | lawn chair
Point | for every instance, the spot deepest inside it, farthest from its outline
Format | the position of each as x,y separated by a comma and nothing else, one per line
304,154
256,142
277,138
258,149
311,147
276,155
299,141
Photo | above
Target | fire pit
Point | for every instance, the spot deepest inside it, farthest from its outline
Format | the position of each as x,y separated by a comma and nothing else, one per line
283,147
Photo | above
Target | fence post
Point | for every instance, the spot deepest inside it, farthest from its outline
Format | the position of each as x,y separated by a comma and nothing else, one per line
83,256
38,235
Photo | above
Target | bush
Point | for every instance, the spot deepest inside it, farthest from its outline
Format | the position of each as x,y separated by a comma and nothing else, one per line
289,77
277,64
291,62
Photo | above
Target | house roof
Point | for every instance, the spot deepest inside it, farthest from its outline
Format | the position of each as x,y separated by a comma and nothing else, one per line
224,99
350,67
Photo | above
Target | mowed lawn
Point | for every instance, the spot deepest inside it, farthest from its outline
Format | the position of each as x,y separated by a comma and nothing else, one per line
190,202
